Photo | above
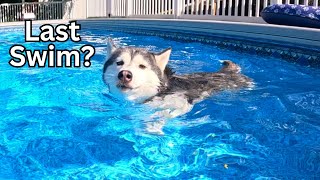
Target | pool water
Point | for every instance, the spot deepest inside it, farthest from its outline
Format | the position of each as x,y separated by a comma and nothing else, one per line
61,123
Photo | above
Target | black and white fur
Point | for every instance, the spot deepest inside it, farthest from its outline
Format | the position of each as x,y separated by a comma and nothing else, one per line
149,80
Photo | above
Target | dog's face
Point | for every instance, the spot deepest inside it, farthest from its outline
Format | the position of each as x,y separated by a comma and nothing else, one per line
135,73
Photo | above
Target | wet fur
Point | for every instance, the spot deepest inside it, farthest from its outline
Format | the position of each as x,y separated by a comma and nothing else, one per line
200,85
173,94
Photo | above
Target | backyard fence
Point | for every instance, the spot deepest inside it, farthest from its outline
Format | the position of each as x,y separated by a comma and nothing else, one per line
41,11
99,8
235,10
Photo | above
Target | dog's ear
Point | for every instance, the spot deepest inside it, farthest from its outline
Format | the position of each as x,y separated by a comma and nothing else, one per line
162,58
111,47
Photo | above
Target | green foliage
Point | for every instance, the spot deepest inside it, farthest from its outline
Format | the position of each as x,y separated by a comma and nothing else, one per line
10,1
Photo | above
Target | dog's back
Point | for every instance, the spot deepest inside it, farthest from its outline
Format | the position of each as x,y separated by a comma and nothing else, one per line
197,86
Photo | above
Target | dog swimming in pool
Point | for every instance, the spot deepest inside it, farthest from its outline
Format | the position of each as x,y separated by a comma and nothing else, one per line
144,77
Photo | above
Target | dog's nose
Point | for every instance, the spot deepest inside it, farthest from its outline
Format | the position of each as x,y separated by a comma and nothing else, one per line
125,76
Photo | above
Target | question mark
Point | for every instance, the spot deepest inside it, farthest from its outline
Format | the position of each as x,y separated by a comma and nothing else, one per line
91,51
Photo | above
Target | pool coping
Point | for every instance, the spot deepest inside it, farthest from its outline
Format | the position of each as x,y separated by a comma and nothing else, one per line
279,33
306,36
295,44
194,20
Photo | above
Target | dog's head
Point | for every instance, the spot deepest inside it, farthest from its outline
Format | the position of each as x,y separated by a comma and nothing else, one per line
135,73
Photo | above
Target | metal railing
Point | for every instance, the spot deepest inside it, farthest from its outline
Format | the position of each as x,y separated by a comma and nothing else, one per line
41,10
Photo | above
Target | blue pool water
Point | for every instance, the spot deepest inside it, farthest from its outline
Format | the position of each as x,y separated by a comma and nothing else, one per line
61,123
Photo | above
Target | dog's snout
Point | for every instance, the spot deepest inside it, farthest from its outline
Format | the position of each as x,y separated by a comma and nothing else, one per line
125,76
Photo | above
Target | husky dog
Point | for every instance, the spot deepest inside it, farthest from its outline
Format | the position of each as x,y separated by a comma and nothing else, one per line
144,77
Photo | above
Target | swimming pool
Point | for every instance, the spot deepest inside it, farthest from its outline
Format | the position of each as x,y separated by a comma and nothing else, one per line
62,123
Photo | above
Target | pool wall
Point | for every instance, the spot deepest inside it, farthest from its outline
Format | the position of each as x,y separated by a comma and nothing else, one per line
301,45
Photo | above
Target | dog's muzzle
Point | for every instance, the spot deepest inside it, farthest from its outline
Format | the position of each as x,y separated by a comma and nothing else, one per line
125,76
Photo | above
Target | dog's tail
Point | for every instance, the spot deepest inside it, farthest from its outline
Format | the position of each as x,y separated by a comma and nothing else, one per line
240,80
230,67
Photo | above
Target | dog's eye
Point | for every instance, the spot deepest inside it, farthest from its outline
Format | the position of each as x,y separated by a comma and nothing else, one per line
141,66
120,63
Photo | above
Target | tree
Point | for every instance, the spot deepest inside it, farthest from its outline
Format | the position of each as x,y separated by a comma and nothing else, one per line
10,1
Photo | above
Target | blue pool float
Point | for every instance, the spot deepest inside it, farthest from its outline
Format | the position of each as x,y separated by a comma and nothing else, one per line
292,15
